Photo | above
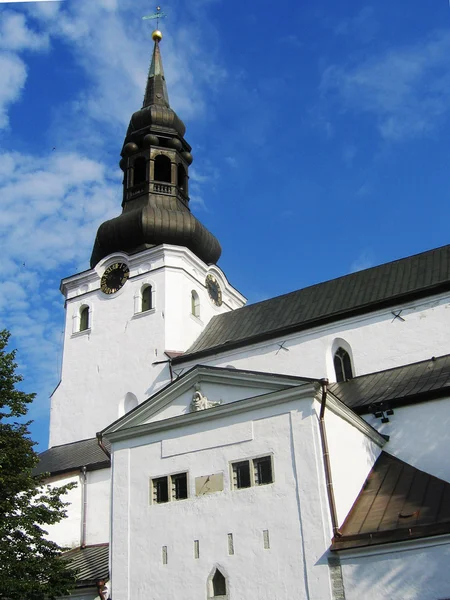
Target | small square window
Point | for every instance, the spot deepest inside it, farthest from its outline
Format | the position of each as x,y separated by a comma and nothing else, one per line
241,474
179,486
160,490
262,468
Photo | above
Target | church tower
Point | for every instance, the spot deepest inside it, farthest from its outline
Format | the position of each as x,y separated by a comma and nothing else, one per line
153,284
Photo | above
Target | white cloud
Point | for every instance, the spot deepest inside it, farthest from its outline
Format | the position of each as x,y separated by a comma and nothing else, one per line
406,89
15,34
363,261
14,74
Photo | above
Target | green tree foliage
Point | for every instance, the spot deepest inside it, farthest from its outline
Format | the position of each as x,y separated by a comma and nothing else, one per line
30,564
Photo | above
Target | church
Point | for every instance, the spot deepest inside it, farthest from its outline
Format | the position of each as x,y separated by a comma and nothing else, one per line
292,448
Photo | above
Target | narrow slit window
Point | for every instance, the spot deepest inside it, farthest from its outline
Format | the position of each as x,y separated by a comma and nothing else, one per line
147,298
179,486
160,490
342,365
241,474
263,470
84,318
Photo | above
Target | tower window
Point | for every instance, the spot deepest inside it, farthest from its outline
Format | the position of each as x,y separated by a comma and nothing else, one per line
241,474
140,167
84,318
342,365
219,585
195,304
182,178
163,168
146,298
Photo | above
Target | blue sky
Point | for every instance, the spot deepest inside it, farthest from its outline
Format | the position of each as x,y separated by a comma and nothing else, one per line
319,131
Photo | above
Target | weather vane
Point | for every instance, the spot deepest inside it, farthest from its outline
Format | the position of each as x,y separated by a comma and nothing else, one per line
157,15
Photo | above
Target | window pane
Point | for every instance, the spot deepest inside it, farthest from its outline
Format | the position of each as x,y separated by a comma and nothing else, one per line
160,490
84,319
338,368
241,474
179,486
147,298
263,470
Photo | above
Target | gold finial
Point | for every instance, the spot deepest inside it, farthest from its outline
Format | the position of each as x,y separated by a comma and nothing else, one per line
156,35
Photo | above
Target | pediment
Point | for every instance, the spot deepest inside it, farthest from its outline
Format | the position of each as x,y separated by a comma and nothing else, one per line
202,389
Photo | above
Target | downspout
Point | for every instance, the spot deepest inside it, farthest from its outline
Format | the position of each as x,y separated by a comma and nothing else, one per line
83,506
326,460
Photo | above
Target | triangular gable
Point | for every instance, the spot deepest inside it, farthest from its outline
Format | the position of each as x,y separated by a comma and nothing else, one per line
398,502
212,386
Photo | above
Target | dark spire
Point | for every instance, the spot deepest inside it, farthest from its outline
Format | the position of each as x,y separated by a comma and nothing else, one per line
156,90
155,162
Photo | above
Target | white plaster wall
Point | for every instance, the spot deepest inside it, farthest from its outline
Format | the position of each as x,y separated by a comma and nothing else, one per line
418,434
408,573
67,532
98,506
352,455
293,509
117,355
377,342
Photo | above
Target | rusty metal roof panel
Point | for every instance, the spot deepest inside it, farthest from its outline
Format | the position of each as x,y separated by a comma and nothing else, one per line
69,457
419,381
397,502
387,285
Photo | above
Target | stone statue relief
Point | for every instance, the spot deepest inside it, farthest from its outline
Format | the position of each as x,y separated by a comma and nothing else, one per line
201,402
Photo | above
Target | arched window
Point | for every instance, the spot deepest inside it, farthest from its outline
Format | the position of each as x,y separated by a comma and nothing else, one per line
195,304
163,169
219,585
84,318
140,167
182,179
146,298
342,365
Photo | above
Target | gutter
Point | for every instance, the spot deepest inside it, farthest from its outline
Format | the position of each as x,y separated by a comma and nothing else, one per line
326,461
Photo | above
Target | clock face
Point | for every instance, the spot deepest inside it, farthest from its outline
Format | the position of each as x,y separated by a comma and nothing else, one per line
114,278
214,291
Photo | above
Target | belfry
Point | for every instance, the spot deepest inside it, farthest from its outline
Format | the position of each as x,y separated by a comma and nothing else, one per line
155,162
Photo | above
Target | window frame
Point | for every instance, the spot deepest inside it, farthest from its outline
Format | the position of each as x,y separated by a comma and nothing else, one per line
252,463
170,487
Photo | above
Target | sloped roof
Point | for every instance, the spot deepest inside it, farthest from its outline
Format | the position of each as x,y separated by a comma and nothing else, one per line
415,382
69,457
358,293
398,502
90,563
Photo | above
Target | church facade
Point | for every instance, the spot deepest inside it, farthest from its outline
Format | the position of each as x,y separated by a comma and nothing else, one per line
296,447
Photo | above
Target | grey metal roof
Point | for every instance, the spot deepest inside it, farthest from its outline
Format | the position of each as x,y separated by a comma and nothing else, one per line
414,382
386,285
397,502
68,457
90,563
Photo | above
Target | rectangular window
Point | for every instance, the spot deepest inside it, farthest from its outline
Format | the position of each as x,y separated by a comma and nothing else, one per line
262,468
241,474
179,486
257,471
160,490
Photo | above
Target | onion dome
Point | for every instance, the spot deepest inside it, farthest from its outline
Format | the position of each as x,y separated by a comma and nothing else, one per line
155,161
